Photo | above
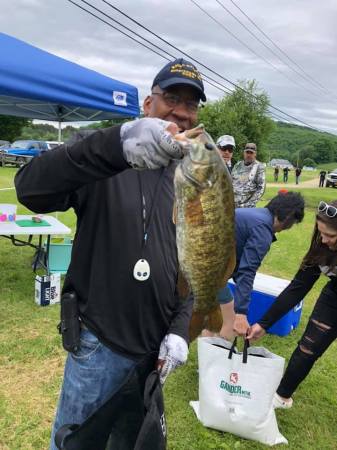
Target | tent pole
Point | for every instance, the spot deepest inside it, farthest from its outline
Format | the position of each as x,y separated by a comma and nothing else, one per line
60,132
59,141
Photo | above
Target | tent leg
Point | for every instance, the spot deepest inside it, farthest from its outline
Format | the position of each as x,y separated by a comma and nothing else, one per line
60,132
59,141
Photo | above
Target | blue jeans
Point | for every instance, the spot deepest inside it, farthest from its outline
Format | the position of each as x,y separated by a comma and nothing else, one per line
91,376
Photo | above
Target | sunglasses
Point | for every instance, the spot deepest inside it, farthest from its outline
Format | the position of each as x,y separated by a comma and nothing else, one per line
226,149
329,210
250,152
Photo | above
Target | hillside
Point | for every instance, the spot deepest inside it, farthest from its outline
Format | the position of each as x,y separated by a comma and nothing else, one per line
292,141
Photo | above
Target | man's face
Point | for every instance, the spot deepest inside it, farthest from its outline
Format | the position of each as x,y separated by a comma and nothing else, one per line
226,152
249,156
178,104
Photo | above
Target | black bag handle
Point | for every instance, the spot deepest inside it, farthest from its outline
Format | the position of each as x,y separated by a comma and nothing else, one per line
245,350
232,349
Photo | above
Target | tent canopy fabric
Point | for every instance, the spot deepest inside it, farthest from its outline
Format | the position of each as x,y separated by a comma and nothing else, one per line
38,85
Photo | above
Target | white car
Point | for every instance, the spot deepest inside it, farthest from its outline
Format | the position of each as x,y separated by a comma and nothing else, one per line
53,144
331,179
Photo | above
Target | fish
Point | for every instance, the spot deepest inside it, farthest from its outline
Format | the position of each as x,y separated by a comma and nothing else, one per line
205,226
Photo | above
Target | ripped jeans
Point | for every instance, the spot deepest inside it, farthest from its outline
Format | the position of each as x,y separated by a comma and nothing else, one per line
320,332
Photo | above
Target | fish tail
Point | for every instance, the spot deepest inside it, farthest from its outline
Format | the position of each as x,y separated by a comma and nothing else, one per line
214,320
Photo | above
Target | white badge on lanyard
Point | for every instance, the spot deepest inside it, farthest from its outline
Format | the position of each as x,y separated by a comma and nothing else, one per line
141,271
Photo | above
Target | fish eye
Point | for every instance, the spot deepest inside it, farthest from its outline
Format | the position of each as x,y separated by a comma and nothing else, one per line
209,146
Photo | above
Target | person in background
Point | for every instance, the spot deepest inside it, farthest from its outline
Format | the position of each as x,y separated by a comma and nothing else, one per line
298,172
124,265
226,145
321,330
285,174
249,179
276,172
255,230
322,176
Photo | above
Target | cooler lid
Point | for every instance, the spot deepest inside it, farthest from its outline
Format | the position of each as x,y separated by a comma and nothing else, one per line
268,284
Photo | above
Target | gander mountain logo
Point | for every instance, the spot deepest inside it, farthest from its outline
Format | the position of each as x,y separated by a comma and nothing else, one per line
234,377
233,388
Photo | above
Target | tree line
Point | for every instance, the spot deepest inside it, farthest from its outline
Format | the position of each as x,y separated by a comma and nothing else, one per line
242,114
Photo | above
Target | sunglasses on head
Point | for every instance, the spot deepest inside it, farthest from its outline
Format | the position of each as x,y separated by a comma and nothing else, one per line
329,210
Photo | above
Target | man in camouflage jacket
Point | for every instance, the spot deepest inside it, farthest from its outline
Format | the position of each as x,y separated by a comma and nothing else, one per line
249,179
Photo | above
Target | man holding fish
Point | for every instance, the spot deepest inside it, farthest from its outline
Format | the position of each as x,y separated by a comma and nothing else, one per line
124,266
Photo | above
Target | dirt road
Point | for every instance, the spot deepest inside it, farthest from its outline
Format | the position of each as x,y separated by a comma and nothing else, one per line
302,184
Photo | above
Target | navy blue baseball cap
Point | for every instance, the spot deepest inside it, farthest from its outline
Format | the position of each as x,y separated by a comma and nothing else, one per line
180,71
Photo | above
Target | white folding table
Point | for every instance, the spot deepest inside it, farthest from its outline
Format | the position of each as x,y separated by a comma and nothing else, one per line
11,231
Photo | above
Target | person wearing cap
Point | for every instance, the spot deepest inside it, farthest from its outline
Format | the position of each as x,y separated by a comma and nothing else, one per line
226,145
124,264
249,179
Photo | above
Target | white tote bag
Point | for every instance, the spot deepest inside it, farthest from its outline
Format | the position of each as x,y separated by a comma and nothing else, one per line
236,390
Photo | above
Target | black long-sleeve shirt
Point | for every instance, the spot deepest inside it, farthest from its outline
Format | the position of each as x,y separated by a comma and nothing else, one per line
91,176
291,295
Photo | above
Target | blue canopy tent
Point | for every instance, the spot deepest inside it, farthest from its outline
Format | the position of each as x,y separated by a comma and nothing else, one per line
38,85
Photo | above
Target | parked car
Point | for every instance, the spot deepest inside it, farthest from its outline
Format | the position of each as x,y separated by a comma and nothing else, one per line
53,144
331,179
21,152
4,143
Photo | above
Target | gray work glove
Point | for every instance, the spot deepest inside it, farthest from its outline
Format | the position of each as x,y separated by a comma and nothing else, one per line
147,143
173,353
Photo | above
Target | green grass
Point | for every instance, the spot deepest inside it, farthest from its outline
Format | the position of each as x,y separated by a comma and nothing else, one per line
311,196
31,356
328,166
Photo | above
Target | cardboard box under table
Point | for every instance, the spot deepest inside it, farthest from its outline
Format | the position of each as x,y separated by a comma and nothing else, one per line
47,289
265,290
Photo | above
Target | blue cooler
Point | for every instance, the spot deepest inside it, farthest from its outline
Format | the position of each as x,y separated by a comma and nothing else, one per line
59,254
265,290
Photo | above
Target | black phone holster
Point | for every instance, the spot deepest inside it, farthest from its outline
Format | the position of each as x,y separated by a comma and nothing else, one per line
69,327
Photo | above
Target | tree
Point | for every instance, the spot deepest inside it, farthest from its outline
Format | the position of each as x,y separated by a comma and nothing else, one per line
287,141
309,162
325,150
10,127
242,114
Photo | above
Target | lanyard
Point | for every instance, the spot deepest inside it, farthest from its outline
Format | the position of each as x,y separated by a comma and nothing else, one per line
147,220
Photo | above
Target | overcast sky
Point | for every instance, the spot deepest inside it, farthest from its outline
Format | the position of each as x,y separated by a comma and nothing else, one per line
305,30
